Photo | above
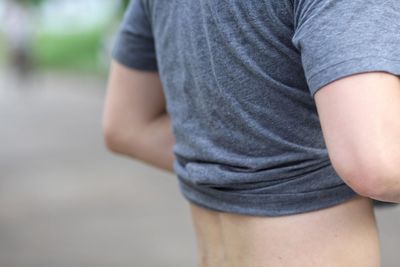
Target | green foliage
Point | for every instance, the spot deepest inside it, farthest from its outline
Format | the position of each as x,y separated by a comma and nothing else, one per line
2,49
125,4
30,2
78,51
123,7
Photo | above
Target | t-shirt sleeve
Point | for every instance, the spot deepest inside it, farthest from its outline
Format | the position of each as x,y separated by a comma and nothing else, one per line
338,38
134,46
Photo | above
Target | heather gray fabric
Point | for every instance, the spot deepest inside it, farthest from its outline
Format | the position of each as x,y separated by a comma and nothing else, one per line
239,79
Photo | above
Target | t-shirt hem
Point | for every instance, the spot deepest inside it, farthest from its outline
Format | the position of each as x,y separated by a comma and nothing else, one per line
349,67
272,205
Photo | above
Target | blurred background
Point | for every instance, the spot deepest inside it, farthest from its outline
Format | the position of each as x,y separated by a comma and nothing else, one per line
64,199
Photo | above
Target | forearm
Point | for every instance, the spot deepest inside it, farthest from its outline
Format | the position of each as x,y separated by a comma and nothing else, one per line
151,143
155,143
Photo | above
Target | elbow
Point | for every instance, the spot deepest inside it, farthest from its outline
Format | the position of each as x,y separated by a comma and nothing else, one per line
382,190
377,186
117,140
112,139
373,179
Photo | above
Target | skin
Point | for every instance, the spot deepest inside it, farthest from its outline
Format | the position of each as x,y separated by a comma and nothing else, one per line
135,121
341,236
136,124
359,117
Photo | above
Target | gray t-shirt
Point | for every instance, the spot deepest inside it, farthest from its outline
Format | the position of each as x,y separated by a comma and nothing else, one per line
239,79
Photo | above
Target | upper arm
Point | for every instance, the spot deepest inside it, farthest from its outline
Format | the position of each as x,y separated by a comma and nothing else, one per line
134,98
352,67
360,120
134,94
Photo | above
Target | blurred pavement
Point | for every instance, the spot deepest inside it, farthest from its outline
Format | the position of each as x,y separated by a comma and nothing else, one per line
66,201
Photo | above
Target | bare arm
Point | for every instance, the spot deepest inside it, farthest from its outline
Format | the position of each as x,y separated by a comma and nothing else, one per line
360,119
135,121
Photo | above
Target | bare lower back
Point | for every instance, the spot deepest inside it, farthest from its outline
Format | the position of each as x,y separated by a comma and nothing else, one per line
340,236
